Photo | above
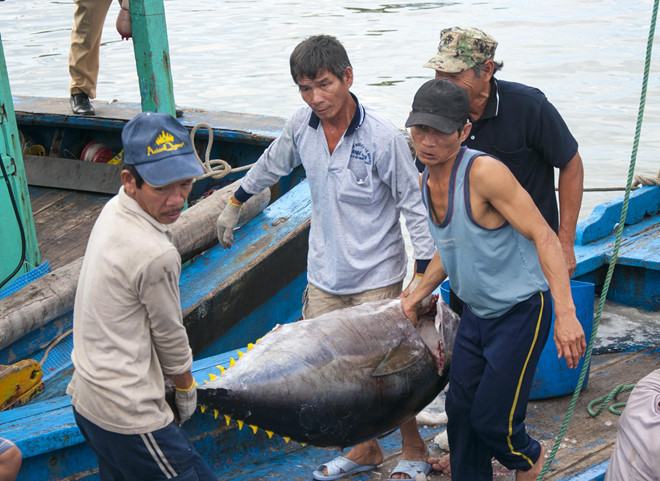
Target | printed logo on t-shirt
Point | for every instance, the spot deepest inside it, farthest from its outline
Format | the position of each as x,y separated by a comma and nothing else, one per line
361,152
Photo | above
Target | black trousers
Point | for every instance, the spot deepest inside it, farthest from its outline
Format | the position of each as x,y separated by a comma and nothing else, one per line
491,374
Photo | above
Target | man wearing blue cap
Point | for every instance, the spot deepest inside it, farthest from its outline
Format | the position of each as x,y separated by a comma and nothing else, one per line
128,331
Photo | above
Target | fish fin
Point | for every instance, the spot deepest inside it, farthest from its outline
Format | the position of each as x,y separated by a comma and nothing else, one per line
399,358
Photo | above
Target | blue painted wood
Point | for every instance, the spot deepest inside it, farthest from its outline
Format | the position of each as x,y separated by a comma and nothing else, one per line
33,343
280,309
235,127
602,221
205,276
636,287
636,280
640,247
594,473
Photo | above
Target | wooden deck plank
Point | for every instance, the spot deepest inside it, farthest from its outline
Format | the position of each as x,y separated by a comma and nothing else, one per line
64,220
42,198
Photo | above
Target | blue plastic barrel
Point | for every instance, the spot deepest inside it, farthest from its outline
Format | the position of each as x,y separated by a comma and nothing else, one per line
552,377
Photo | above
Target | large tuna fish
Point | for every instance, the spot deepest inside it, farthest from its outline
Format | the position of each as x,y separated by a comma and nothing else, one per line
341,378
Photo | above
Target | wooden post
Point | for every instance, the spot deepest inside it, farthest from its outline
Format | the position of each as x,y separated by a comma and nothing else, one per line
152,55
13,180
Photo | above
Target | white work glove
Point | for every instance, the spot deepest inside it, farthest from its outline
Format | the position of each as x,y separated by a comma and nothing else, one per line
226,223
186,402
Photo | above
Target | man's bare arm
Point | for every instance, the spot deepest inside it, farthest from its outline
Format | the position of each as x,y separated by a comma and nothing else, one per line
571,178
491,180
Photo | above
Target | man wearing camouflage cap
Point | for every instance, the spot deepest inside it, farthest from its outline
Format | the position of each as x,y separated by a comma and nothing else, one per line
518,125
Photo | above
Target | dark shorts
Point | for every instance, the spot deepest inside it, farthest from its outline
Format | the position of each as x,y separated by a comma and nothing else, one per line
160,455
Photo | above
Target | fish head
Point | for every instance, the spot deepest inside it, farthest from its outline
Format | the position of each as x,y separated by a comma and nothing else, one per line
437,327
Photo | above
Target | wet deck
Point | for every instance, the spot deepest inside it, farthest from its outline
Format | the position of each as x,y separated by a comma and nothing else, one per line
589,440
64,219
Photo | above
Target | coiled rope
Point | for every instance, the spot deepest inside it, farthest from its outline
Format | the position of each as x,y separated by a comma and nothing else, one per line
615,254
215,168
596,406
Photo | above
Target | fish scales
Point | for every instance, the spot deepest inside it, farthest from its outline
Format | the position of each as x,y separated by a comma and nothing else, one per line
338,379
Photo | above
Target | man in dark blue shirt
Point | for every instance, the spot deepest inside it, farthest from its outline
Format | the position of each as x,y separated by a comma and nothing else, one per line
518,125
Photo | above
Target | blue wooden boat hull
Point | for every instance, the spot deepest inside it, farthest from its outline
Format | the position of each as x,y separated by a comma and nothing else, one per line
636,280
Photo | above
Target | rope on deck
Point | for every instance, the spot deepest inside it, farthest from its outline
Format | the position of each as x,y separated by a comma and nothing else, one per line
596,406
615,254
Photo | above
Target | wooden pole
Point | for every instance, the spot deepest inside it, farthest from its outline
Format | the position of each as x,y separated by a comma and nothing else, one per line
152,55
12,244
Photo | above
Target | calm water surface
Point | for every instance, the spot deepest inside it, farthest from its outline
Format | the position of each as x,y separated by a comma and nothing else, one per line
587,56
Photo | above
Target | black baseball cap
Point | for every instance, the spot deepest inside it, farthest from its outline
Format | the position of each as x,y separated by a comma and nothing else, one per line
441,105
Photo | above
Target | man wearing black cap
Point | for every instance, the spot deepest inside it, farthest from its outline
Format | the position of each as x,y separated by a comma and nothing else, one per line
518,125
501,257
127,325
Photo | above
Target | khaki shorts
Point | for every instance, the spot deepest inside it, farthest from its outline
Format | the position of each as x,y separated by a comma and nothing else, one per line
317,302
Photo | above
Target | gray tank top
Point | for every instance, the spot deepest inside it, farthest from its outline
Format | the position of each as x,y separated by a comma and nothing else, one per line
491,270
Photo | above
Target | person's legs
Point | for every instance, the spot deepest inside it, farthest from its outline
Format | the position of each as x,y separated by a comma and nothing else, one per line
469,458
162,454
512,346
88,22
10,460
317,302
368,452
413,446
388,292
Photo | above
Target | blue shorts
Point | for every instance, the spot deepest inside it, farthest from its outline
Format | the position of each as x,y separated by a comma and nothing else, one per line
5,445
160,455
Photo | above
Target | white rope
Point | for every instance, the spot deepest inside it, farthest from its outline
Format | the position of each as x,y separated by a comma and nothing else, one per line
215,168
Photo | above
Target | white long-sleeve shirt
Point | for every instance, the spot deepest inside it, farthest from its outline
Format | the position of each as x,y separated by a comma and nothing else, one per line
127,324
636,454
358,194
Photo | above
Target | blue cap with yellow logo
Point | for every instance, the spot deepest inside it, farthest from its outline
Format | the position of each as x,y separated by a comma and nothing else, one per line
159,148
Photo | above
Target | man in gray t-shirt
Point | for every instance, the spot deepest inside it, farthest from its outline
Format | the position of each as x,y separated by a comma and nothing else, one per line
636,454
361,179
